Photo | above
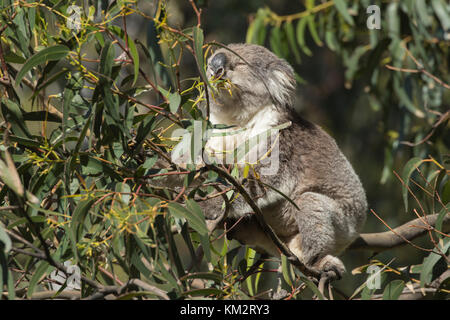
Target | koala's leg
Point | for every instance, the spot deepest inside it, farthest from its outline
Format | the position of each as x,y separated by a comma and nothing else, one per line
248,231
323,233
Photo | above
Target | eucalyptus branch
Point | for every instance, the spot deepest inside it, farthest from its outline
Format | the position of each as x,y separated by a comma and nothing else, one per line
118,290
382,241
417,291
302,14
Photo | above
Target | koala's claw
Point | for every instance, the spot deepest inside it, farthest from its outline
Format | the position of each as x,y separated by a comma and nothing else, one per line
331,267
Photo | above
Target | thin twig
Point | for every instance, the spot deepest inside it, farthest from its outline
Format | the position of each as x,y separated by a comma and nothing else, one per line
420,69
198,12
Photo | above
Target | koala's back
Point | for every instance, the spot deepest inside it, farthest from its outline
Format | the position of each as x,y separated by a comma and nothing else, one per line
316,162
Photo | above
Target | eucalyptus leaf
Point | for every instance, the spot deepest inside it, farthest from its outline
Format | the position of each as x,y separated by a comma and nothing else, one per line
52,53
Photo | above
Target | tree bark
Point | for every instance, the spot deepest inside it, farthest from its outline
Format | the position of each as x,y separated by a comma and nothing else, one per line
409,231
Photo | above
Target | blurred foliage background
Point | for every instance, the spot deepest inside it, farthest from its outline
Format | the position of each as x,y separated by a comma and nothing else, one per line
86,112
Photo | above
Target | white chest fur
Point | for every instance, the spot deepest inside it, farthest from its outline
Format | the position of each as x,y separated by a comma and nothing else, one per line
245,142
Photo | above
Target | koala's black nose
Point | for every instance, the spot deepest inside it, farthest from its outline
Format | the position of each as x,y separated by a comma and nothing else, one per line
217,64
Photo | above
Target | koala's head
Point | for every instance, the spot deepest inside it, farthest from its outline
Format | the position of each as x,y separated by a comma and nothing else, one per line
253,78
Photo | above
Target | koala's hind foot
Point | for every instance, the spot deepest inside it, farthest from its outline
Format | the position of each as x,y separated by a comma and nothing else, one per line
329,267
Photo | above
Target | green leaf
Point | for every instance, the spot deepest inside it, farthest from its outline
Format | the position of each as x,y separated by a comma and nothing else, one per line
53,53
11,287
341,6
408,169
126,190
330,34
405,99
393,20
442,12
198,50
276,43
14,115
422,12
42,268
93,166
5,239
79,215
313,30
11,57
137,262
135,55
192,215
301,36
446,192
214,276
393,290
290,33
250,259
161,266
441,217
256,32
352,63
82,136
311,285
174,102
286,270
20,31
41,116
107,59
10,176
4,274
429,262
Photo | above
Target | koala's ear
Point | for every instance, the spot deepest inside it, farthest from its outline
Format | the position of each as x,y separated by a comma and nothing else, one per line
282,83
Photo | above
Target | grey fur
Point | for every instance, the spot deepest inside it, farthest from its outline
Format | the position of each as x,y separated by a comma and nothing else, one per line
312,170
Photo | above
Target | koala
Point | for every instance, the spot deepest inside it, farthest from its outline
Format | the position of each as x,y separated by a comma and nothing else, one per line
314,202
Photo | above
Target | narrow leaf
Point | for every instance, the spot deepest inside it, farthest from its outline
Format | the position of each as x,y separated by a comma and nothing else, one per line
409,168
5,239
393,290
341,6
301,36
135,55
53,53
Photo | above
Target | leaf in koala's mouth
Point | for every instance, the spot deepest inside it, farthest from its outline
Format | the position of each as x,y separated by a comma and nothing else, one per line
225,84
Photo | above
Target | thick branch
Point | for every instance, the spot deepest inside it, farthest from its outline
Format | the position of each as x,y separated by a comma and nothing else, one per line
117,290
411,230
419,293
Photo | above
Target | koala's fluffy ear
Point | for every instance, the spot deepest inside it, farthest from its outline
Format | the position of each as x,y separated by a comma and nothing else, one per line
282,83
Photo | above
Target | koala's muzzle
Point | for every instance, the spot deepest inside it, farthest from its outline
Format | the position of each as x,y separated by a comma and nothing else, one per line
217,64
